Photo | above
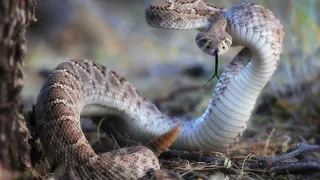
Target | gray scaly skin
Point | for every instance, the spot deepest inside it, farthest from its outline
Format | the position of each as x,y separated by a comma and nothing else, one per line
246,24
75,85
81,86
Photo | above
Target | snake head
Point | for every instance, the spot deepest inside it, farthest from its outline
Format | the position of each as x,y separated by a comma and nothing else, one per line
210,43
215,37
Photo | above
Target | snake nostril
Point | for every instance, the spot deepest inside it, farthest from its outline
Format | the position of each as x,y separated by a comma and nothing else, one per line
209,45
201,42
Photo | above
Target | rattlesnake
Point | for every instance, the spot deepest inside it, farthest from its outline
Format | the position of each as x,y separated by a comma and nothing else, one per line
81,84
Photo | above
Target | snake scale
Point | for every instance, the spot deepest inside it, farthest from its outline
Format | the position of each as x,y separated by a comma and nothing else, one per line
83,86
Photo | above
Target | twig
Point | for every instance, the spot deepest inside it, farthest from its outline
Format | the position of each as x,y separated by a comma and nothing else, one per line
296,167
275,164
299,149
98,129
242,167
193,156
268,141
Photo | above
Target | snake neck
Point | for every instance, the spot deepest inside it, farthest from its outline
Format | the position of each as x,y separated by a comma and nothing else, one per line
236,93
231,105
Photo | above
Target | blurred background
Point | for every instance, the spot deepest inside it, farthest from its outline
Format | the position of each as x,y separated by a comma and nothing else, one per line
160,62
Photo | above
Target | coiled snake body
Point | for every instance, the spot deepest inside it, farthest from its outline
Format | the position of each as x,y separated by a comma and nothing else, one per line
81,85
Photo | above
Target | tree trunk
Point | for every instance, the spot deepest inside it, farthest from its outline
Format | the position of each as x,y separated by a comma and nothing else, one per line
15,16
